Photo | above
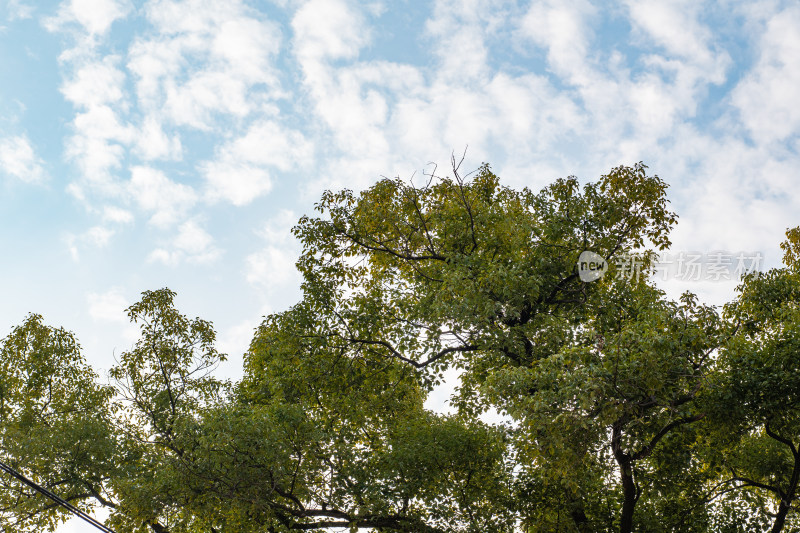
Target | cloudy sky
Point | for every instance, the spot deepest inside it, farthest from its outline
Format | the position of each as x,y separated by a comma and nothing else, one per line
174,143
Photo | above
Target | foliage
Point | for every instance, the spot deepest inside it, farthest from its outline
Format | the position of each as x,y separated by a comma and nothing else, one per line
615,408
55,425
756,398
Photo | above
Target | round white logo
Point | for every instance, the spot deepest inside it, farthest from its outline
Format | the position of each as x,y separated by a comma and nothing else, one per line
591,266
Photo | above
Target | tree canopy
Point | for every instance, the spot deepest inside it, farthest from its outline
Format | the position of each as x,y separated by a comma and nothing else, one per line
580,406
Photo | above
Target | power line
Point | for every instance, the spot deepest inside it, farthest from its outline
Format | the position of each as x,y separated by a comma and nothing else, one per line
60,501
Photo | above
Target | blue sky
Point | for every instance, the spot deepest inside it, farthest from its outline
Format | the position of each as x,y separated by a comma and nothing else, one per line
174,143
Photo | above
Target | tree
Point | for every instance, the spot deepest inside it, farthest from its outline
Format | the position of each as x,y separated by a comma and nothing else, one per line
386,461
55,425
179,451
623,394
756,396
164,385
613,395
484,278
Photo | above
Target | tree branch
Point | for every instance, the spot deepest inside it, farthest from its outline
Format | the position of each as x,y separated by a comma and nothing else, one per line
416,364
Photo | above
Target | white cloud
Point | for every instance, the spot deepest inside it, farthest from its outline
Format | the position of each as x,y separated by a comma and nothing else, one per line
278,229
162,255
673,25
328,29
18,159
234,182
267,143
95,157
630,108
200,63
459,31
565,31
234,341
100,137
95,86
352,101
192,243
117,215
152,62
96,16
767,96
246,45
205,94
18,10
102,123
95,83
240,171
273,266
385,117
153,143
108,306
71,242
108,309
204,61
653,104
693,58
153,191
98,236
193,239
531,111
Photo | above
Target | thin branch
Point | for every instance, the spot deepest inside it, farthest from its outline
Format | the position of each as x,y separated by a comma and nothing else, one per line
416,364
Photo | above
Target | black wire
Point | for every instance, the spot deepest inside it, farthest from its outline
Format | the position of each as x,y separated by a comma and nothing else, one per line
60,501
